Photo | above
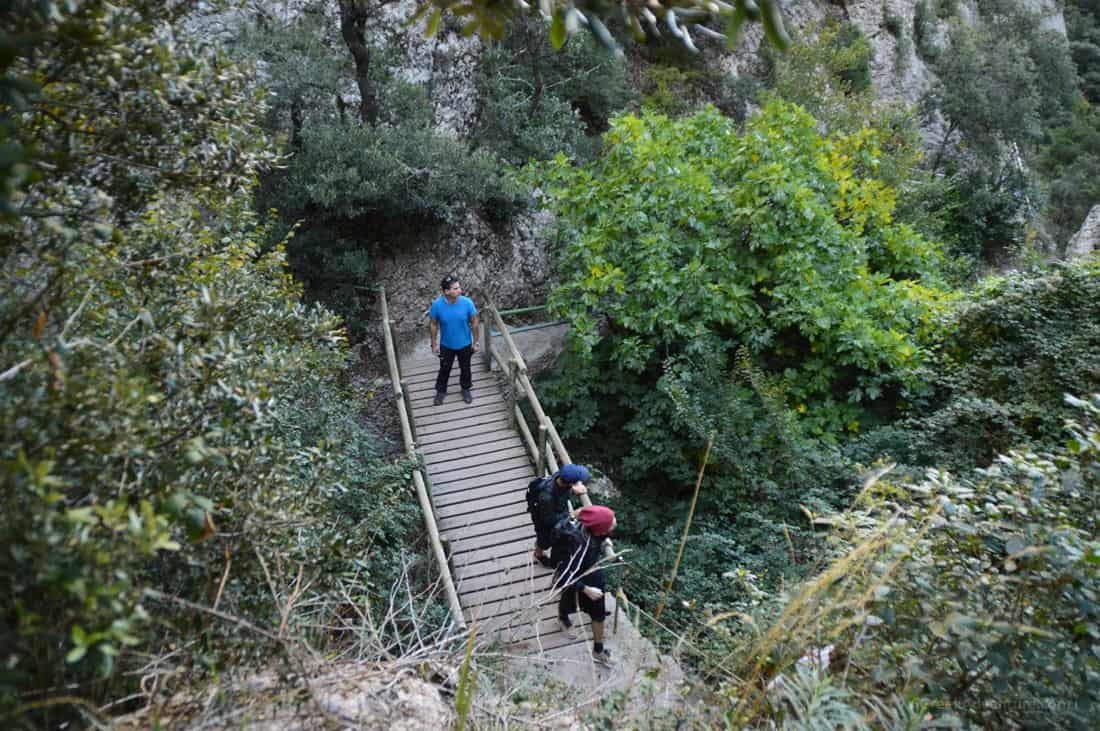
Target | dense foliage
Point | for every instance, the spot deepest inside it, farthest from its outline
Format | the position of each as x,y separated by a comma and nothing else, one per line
688,238
1071,161
537,102
1005,355
959,600
1083,31
182,456
174,424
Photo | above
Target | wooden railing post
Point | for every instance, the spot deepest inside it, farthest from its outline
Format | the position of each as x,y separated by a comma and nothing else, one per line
409,409
487,342
551,462
422,495
540,470
525,431
513,374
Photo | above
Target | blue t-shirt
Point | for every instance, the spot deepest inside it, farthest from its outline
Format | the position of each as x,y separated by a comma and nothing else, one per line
454,321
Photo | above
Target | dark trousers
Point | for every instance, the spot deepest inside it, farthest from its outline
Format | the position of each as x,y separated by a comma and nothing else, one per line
447,359
571,600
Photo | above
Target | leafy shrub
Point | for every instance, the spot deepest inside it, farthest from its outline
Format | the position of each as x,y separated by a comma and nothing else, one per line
685,238
975,597
763,474
173,425
1008,353
348,171
689,252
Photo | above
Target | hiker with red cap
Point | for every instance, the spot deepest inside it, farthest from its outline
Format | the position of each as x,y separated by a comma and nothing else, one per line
548,504
576,555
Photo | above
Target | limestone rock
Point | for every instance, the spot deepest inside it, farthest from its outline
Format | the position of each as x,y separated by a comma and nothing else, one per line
376,696
446,63
507,264
1087,238
602,488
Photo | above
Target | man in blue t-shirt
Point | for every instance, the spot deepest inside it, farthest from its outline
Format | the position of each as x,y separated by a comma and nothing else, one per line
454,332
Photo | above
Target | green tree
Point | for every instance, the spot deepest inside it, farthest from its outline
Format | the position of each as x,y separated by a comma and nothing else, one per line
536,101
1071,164
987,89
685,237
156,359
1001,87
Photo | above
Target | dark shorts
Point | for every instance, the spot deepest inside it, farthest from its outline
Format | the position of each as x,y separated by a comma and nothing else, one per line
571,599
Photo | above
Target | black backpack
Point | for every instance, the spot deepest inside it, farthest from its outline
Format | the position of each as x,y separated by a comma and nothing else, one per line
534,490
568,539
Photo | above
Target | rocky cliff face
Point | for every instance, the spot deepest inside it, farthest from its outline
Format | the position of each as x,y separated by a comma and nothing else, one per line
506,263
512,264
509,262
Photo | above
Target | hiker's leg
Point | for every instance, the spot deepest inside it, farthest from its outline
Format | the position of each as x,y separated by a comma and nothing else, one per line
567,604
465,376
446,360
597,633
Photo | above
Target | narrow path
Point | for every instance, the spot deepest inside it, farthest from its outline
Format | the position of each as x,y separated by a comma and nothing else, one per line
478,470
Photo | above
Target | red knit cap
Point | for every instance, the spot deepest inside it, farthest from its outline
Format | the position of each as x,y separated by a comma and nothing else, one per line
597,519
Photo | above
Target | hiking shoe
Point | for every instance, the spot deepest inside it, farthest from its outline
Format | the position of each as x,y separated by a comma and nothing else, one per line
567,628
603,657
438,398
467,396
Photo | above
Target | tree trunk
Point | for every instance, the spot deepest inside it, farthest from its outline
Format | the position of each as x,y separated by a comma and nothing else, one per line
943,146
353,21
296,121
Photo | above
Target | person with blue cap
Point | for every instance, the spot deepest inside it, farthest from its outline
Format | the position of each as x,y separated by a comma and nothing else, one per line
548,504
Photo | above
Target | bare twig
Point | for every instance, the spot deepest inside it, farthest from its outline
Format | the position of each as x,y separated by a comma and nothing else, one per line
225,575
239,621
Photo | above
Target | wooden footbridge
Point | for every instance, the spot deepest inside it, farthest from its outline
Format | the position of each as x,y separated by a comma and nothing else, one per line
477,461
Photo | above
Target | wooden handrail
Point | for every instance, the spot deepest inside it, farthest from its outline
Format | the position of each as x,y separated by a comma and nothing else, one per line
418,478
544,422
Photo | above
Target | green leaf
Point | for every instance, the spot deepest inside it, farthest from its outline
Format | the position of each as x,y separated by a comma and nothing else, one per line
433,23
557,29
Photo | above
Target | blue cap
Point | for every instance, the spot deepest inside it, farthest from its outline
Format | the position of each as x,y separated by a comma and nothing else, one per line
571,473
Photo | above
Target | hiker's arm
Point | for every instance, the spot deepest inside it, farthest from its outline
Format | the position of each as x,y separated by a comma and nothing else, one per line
474,329
433,328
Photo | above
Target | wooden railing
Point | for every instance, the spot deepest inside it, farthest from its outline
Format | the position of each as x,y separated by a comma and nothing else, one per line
547,450
404,411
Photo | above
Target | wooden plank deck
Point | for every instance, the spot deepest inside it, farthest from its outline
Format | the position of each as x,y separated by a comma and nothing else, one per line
479,470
